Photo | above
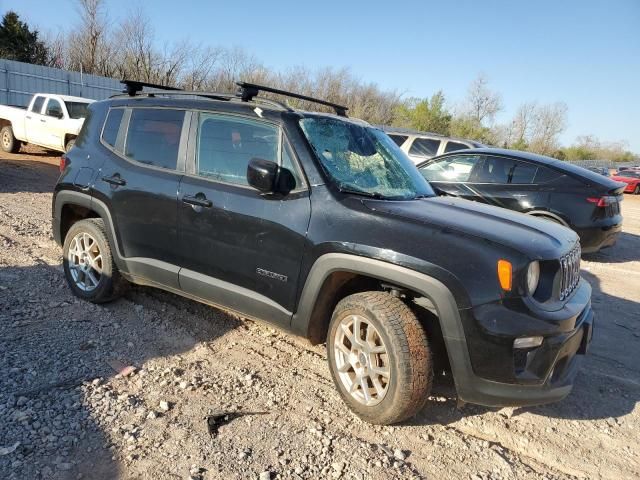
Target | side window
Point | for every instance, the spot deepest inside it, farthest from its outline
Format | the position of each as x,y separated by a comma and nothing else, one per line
424,147
398,139
546,175
523,173
154,136
495,170
37,104
457,168
226,145
54,109
453,146
112,126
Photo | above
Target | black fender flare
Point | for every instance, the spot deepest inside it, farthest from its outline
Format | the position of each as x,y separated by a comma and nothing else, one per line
549,214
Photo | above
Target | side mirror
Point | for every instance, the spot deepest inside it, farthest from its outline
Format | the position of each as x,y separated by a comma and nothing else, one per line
268,177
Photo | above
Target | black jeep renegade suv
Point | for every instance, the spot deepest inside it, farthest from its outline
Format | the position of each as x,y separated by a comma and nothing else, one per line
319,224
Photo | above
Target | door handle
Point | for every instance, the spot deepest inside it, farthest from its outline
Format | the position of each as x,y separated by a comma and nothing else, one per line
115,180
43,120
198,200
29,117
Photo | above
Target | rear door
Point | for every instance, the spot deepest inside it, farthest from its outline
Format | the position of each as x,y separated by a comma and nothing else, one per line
140,182
507,182
240,248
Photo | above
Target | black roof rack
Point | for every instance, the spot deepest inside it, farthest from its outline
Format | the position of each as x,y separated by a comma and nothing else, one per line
134,87
248,91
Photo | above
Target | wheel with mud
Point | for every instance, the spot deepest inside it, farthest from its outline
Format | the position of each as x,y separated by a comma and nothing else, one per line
69,145
88,263
379,357
636,191
8,141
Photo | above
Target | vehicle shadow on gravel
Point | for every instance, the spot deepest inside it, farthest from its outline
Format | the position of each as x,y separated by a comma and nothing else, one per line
56,355
626,249
30,176
607,386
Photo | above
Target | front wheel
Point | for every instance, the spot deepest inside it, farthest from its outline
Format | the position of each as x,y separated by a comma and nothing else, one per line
8,141
636,191
379,357
88,263
69,145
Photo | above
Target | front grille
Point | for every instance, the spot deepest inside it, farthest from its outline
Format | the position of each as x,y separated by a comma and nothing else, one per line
569,272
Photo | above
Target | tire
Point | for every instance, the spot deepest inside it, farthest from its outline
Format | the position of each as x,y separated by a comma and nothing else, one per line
69,145
407,358
88,263
636,191
8,142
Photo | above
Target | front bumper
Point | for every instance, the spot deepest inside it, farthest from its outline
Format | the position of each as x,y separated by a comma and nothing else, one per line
500,375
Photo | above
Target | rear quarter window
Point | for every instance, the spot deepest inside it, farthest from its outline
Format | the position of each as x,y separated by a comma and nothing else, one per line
112,126
546,175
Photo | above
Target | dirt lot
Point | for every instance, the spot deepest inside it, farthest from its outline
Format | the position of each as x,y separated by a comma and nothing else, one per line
65,414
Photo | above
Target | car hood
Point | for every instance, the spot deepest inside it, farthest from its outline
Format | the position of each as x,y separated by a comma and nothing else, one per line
534,237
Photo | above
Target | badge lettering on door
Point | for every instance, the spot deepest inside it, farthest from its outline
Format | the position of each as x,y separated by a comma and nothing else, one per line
274,275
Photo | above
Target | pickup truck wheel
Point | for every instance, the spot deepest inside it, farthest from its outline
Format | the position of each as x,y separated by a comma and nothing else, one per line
69,145
8,142
379,357
88,263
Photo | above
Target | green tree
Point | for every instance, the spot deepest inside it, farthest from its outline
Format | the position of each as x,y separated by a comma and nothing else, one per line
425,114
19,42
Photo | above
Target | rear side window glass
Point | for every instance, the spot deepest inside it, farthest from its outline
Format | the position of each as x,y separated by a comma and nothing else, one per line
453,146
37,105
227,144
546,175
112,126
398,139
424,147
457,168
153,137
523,172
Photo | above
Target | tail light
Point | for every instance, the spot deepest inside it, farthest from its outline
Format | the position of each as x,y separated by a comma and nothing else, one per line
603,201
64,161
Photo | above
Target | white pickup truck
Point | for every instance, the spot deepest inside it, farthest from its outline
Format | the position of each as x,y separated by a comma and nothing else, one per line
51,121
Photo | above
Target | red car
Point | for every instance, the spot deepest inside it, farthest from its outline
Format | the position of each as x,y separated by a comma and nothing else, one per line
631,178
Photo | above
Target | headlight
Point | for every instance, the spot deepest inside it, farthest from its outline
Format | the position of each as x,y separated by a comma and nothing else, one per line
533,277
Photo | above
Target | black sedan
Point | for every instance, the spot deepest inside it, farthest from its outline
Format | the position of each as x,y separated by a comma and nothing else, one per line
573,196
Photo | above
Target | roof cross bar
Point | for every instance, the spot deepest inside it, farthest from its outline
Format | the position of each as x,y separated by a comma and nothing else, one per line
133,86
248,91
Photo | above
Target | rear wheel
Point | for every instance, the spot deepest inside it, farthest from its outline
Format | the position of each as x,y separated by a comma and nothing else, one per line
8,142
69,145
636,191
379,357
88,262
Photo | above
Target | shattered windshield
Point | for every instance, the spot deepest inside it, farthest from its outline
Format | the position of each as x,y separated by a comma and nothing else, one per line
364,160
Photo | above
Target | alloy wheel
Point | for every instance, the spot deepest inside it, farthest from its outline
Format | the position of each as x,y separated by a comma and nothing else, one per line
361,360
85,262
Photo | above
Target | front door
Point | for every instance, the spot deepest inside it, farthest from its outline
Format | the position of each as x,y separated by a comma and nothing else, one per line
240,248
54,124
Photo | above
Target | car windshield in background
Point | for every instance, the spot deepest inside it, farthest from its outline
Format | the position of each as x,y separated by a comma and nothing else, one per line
77,109
364,160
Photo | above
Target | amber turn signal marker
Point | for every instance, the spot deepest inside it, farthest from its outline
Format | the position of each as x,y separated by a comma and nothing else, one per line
505,274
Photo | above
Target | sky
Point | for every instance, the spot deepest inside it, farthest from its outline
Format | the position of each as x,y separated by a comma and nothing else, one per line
585,53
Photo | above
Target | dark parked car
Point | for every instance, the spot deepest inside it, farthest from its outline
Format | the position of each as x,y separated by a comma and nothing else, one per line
601,170
540,186
630,178
319,224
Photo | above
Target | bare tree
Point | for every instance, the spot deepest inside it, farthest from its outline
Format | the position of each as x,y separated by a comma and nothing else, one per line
548,123
88,45
482,104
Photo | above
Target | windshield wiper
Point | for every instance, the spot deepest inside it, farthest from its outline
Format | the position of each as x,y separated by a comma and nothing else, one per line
350,189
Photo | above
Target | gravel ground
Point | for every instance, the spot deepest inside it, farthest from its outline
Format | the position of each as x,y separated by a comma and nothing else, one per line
66,412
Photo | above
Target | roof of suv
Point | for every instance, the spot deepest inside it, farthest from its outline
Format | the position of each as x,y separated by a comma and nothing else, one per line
409,131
